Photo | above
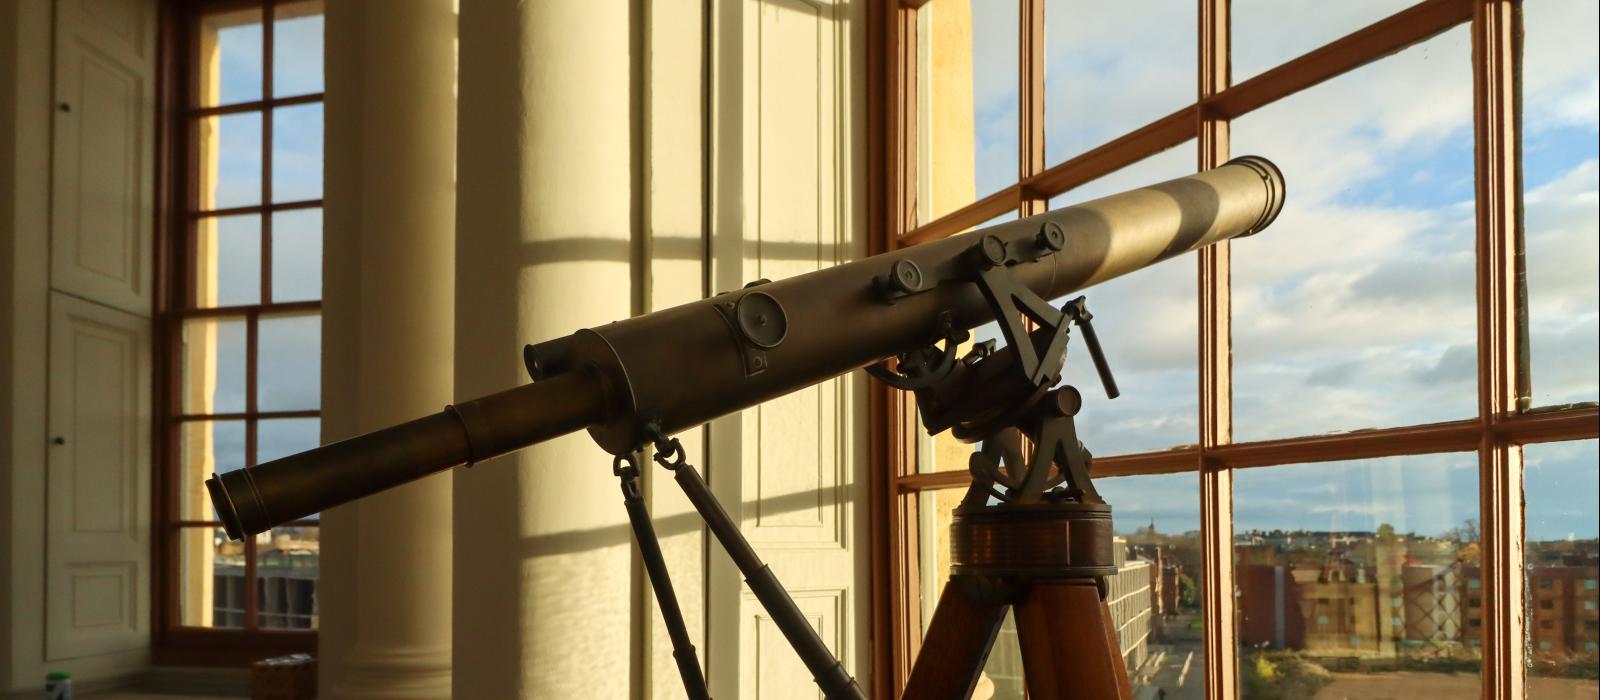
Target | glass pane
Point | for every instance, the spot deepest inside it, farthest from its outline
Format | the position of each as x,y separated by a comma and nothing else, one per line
297,153
1002,674
205,448
1561,146
296,48
213,365
1157,521
943,452
1269,32
227,261
1562,494
1112,67
1154,598
1149,325
210,578
968,56
297,255
1350,571
286,578
1357,309
290,363
281,437
229,172
231,66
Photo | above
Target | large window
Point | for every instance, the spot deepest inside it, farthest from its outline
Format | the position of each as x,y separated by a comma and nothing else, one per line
1319,459
242,326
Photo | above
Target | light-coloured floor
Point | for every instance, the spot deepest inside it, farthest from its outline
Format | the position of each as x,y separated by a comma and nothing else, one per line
132,695
1411,685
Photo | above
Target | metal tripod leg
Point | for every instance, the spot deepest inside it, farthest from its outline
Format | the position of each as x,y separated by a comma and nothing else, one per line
694,682
957,644
826,670
1069,647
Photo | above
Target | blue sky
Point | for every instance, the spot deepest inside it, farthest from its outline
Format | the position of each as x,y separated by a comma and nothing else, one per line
290,346
1356,309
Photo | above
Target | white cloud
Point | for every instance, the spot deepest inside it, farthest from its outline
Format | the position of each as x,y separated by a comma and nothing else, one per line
1269,32
1357,308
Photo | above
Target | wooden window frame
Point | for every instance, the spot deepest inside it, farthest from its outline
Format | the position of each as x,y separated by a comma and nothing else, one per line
177,216
1497,433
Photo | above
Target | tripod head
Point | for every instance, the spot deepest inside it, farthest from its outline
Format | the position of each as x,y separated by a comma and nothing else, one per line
990,395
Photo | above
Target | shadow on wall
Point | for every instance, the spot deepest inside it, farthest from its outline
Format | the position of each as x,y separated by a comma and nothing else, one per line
661,248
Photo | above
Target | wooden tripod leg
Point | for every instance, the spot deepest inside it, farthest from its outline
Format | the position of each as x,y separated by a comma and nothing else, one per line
1069,648
959,637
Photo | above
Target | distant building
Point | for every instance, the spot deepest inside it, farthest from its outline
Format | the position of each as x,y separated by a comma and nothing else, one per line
1562,601
1131,598
286,583
1357,598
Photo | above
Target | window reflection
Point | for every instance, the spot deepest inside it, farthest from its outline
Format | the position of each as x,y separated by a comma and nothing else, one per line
227,261
230,161
1356,310
1561,181
1353,576
1148,323
1111,67
1562,494
290,363
213,365
230,55
211,578
1156,593
286,578
296,48
967,53
297,153
1154,598
1269,32
297,255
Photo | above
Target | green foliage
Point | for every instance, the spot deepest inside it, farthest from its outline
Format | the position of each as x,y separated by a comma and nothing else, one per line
1281,676
1188,593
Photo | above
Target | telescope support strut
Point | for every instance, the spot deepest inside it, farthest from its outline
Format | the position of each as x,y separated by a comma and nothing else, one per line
829,674
626,468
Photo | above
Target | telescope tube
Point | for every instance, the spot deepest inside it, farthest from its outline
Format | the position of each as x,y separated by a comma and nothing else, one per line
676,368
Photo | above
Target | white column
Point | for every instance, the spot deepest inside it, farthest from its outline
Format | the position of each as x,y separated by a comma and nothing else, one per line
547,193
389,276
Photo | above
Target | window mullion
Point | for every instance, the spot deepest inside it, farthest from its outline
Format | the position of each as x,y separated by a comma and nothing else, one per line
1215,368
1495,24
1030,71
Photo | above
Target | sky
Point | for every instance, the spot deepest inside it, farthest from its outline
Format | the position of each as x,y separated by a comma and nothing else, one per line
1355,310
290,346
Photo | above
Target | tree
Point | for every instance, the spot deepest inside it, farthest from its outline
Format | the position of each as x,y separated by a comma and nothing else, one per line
1188,593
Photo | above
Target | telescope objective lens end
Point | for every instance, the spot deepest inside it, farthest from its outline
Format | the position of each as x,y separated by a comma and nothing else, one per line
1273,177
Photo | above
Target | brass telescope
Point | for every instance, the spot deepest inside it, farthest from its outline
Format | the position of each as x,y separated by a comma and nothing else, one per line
673,369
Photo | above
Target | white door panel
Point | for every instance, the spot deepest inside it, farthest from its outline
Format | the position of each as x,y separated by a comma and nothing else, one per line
102,181
98,480
783,205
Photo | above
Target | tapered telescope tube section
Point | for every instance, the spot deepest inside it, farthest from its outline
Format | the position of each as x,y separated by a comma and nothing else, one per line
251,501
683,366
